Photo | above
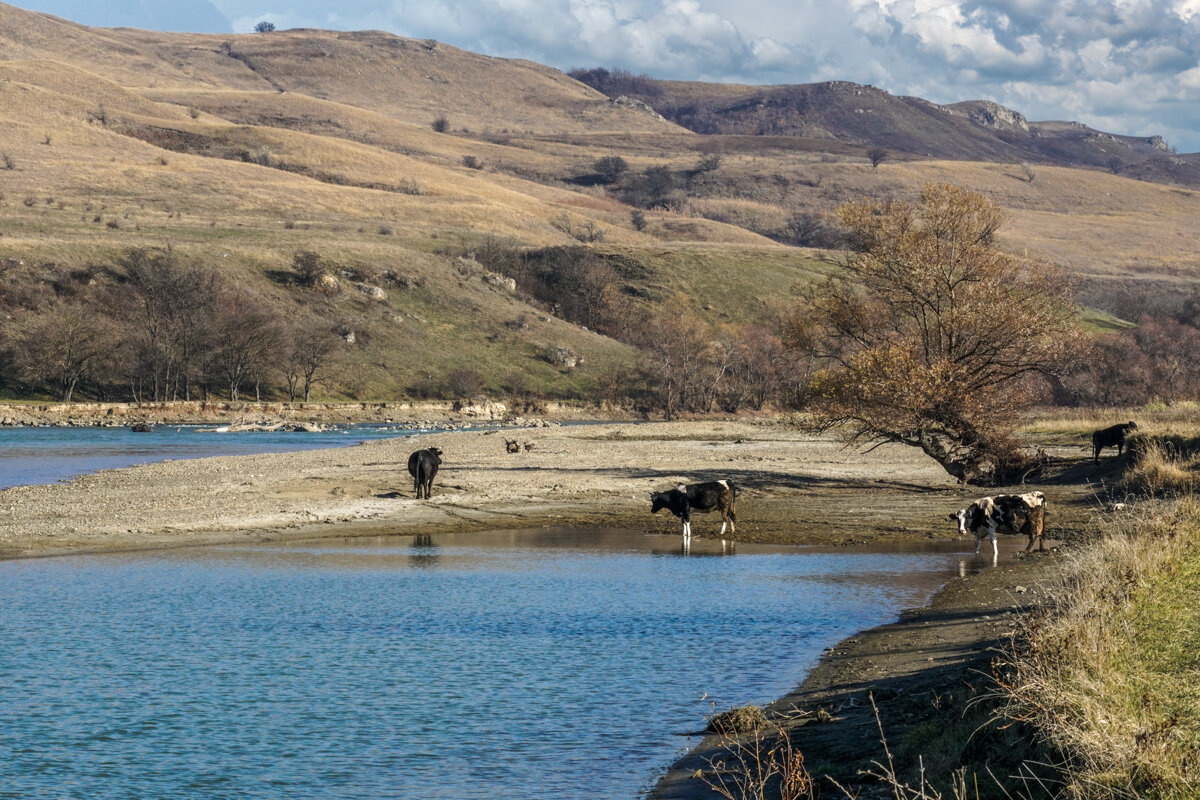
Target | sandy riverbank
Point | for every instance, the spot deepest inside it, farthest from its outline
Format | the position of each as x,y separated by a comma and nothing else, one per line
796,488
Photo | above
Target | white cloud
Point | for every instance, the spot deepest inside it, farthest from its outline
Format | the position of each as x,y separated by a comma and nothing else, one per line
1083,59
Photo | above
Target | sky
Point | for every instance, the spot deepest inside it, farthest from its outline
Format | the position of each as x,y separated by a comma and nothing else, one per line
1122,66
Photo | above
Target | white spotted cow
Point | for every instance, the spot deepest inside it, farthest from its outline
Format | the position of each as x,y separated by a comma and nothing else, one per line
686,498
1010,513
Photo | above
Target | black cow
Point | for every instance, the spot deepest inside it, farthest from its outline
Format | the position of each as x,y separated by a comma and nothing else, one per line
1013,513
686,498
423,465
1113,436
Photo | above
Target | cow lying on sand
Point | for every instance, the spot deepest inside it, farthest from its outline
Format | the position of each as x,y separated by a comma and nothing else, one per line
1113,436
1011,513
686,498
423,466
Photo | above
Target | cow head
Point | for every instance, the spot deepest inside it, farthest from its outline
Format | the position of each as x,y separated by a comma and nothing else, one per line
659,501
961,517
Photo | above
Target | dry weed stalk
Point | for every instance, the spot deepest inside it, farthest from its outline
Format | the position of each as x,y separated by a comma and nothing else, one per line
759,765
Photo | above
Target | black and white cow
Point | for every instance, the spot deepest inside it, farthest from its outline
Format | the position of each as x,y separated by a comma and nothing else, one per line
1010,513
1113,436
423,466
686,498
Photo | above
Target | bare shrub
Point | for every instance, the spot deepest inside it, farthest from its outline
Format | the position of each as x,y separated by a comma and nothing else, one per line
308,267
440,125
742,719
610,168
763,764
408,186
464,382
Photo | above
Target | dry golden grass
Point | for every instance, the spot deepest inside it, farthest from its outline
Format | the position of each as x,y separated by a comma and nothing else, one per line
125,138
1077,424
1160,467
1111,677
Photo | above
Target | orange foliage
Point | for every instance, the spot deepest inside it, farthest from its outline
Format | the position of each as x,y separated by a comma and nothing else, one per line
933,337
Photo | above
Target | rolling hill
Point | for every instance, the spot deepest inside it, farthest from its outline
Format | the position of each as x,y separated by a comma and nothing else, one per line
853,113
239,152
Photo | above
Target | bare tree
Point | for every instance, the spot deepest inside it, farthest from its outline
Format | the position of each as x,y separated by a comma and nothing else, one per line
876,156
678,352
309,354
171,307
246,337
930,335
61,345
611,168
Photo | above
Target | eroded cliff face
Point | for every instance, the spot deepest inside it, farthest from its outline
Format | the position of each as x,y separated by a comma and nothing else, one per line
992,115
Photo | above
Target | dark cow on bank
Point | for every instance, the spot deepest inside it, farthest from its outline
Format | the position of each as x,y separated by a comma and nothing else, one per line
1113,436
423,465
686,498
1010,513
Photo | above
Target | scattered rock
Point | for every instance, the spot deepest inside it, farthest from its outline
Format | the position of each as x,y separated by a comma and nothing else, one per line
373,292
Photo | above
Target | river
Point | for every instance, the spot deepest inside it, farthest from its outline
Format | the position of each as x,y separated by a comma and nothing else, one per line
34,455
551,664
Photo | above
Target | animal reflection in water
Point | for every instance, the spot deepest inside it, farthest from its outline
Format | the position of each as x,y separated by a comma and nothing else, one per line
1008,513
425,552
686,498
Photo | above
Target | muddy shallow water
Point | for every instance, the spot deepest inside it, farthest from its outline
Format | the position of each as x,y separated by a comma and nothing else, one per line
512,664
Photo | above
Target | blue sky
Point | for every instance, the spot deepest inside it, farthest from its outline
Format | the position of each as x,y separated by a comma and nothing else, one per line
1124,66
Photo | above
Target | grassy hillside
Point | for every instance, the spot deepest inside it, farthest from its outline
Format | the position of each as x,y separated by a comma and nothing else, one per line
238,152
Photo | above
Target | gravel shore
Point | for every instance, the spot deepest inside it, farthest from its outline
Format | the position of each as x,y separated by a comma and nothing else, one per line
795,488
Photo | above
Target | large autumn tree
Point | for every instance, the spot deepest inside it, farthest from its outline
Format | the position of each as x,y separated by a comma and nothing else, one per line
930,335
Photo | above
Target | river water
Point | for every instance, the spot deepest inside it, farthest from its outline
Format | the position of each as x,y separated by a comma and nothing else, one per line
44,455
538,664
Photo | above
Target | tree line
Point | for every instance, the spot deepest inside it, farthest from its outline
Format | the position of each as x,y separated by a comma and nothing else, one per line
158,329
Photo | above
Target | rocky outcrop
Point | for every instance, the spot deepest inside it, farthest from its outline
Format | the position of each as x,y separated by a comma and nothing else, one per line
992,115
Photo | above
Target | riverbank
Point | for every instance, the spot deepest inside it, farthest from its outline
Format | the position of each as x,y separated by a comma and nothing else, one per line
796,488
414,414
793,488
924,673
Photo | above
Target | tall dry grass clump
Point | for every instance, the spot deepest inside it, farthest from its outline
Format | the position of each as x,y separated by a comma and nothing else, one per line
1163,465
1110,677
